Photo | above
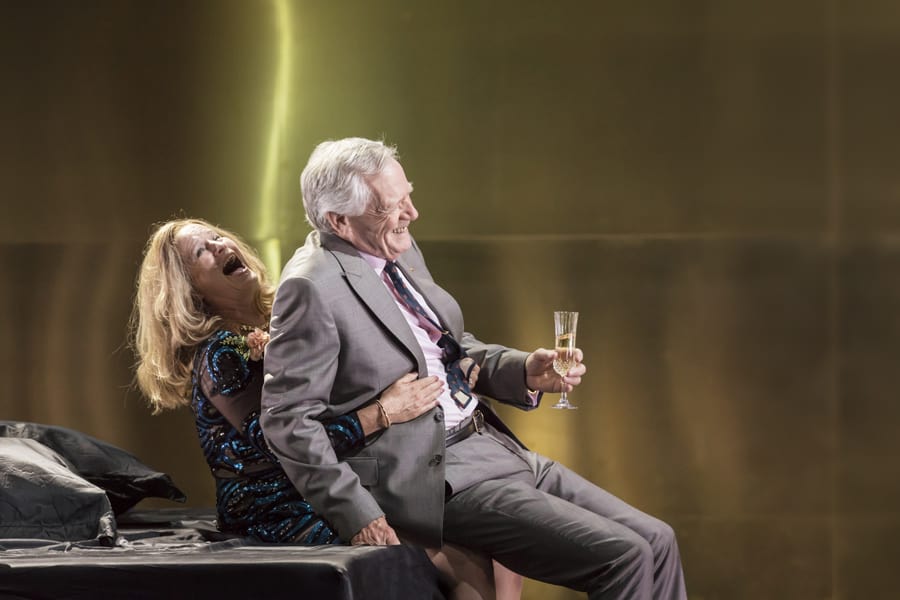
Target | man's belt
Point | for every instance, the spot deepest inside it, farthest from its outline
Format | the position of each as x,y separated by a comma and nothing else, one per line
466,427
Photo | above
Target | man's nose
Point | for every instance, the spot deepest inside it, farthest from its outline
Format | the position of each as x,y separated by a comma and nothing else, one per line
410,211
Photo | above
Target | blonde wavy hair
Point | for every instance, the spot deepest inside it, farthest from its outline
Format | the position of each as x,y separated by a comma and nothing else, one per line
169,319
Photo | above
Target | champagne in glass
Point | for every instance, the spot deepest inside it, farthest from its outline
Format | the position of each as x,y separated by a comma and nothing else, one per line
566,323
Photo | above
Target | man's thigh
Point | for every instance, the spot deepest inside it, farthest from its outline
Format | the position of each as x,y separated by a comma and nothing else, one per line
560,481
483,456
538,534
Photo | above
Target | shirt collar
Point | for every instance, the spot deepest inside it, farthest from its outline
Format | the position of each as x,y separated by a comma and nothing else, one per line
376,262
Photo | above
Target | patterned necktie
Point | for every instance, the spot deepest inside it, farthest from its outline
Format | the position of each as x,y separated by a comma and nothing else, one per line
451,352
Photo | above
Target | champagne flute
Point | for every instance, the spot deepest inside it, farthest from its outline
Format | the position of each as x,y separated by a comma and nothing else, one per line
566,322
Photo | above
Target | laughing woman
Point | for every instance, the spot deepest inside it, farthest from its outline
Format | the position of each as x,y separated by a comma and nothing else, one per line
199,329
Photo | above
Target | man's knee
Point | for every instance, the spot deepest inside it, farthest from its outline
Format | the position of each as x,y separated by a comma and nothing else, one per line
628,573
638,552
662,538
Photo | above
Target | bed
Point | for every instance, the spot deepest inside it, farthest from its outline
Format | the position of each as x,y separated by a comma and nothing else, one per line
70,527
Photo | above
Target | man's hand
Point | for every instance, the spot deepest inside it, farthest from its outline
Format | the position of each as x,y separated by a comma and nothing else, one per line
540,376
376,533
470,369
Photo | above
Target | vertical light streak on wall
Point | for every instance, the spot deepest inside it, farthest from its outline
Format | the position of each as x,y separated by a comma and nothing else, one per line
267,235
833,235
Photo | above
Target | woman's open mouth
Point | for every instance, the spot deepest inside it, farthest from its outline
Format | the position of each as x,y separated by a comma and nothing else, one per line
233,265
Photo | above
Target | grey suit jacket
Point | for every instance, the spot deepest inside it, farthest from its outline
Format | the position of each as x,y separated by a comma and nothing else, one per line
338,340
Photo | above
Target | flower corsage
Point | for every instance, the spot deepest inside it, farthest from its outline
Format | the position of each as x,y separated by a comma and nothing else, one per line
251,345
256,342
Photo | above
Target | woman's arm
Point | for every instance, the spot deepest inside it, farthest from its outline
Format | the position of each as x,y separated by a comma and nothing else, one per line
232,383
404,400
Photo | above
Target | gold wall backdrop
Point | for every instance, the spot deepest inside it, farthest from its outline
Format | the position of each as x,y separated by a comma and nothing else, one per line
714,185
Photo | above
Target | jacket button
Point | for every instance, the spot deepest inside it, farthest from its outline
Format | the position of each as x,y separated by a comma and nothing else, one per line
435,460
439,416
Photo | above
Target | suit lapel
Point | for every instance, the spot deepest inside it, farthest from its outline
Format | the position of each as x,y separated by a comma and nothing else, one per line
371,291
440,302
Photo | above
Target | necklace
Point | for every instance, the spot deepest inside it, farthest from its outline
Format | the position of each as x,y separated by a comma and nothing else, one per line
250,341
239,328
245,329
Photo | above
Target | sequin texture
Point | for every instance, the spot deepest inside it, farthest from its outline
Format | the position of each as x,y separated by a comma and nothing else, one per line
254,496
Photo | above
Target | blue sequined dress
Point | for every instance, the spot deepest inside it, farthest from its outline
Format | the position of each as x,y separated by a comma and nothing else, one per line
254,496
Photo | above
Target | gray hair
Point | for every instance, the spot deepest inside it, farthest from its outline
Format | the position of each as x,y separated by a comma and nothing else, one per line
334,179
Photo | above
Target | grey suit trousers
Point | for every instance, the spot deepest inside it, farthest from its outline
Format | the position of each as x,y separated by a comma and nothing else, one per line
548,523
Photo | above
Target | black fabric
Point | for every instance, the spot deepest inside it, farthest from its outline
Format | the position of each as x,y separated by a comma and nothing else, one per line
125,479
40,497
179,554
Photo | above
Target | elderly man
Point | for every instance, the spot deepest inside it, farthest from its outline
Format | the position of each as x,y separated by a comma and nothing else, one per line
357,309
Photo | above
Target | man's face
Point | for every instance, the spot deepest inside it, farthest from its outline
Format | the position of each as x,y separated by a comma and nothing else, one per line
383,230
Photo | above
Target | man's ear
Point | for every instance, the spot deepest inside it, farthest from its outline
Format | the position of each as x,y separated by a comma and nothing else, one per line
338,223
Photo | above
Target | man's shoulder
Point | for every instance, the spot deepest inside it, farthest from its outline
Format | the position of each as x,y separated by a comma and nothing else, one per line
316,259
309,262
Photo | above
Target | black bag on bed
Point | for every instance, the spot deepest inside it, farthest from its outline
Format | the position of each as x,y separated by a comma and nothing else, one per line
124,478
40,497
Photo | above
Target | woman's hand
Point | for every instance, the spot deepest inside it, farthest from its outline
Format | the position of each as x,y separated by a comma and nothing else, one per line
409,397
403,401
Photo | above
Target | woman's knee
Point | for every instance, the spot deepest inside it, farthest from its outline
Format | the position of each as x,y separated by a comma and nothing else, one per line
467,575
